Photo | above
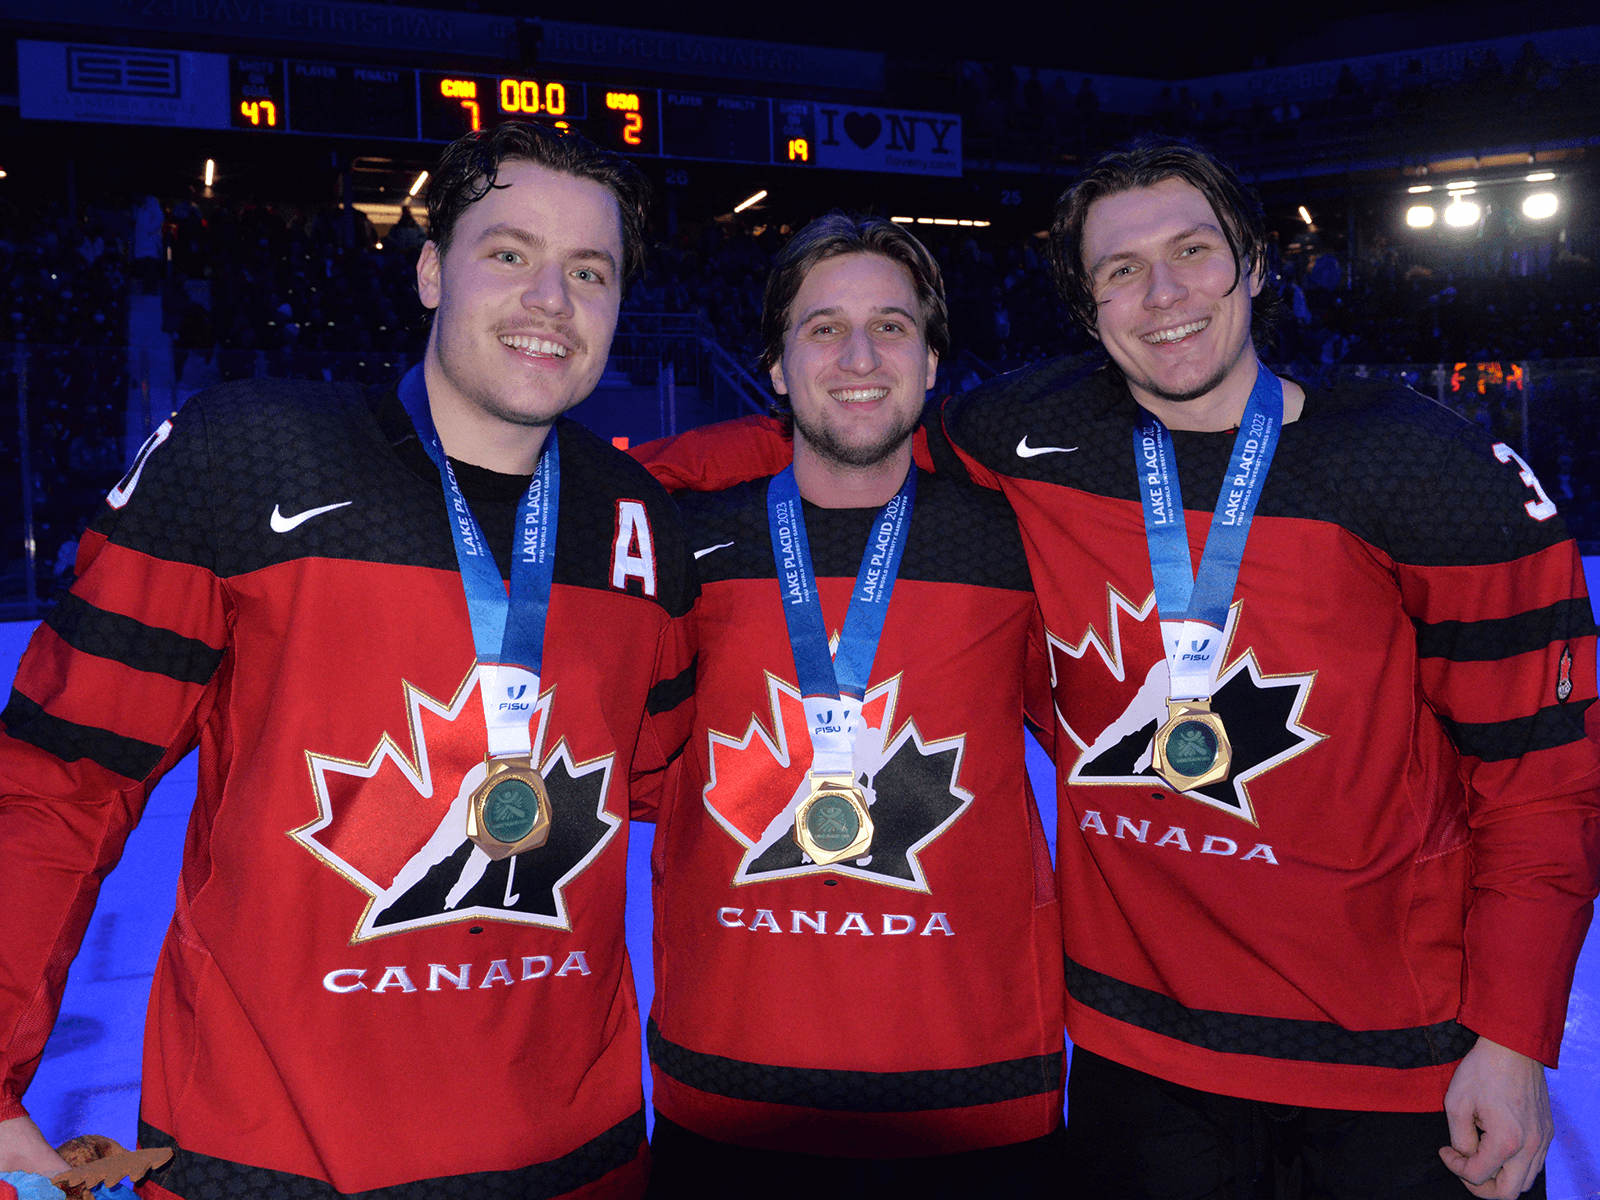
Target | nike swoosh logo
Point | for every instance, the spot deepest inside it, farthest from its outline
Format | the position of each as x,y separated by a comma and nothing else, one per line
709,549
1026,451
283,524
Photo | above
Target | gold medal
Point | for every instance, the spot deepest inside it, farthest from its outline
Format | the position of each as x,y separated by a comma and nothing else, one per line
832,824
1191,750
509,812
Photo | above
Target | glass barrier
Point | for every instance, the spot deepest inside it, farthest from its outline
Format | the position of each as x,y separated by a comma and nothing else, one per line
71,419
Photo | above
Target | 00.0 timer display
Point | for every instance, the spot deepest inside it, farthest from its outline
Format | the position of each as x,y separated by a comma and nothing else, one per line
452,105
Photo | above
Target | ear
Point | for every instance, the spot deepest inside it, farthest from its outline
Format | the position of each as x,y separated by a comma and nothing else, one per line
778,385
1258,280
933,368
428,267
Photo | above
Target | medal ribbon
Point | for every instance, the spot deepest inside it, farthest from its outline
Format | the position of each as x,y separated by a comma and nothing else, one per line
1194,607
507,630
831,687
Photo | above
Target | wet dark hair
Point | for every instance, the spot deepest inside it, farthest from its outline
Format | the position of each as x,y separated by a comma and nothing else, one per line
1143,163
469,166
830,237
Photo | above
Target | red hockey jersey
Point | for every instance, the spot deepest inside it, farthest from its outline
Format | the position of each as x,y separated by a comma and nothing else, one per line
351,997
1405,853
908,1002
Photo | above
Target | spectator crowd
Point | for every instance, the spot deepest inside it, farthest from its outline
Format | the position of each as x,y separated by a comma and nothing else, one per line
249,289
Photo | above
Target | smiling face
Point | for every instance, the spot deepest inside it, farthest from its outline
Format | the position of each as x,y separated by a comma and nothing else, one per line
526,299
1169,313
856,368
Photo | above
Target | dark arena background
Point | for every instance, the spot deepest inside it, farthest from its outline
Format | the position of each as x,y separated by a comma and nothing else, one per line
194,191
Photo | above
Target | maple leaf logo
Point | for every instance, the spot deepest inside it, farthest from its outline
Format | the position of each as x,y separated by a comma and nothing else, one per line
1114,722
758,779
396,828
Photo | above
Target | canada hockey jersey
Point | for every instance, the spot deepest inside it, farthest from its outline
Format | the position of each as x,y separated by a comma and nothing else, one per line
907,1002
1405,852
351,997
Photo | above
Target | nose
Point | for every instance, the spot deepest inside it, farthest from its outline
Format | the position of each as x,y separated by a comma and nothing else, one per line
858,354
1164,288
547,290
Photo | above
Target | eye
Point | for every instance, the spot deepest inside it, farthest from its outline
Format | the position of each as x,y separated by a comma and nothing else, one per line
1191,251
588,275
509,257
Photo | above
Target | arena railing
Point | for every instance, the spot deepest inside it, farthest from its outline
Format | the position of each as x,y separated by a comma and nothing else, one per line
72,418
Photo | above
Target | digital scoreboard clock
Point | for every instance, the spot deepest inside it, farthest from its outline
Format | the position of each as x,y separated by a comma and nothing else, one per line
269,95
295,96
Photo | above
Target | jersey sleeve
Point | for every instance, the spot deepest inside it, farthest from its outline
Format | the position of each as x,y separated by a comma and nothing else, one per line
110,695
718,456
1506,652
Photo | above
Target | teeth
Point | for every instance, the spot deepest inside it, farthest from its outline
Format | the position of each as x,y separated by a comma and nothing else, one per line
533,345
858,395
1177,334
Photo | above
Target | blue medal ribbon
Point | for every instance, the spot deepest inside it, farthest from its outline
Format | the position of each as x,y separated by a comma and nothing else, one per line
507,629
1194,606
837,681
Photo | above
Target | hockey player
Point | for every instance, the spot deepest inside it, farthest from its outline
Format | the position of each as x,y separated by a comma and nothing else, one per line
857,972
1328,811
397,964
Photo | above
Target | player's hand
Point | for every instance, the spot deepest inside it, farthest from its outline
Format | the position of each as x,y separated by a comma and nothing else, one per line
1500,1126
23,1148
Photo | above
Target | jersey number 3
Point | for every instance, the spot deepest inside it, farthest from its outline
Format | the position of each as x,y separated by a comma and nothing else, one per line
1541,509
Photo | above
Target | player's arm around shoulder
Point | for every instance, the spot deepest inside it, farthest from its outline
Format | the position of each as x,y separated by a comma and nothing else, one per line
718,456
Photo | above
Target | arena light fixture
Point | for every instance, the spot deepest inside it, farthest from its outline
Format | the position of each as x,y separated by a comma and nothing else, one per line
1540,205
1304,215
1462,213
1541,177
1420,188
1420,216
749,200
1461,185
958,221
211,171
416,185
903,220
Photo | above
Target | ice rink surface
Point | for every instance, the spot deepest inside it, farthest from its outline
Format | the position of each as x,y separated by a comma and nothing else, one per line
89,1080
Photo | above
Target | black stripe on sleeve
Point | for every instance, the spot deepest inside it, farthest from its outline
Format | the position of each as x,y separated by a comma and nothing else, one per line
1504,637
122,639
667,694
70,742
191,1173
1268,1037
856,1091
1495,741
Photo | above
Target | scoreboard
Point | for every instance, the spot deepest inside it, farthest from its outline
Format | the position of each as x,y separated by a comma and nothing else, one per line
285,96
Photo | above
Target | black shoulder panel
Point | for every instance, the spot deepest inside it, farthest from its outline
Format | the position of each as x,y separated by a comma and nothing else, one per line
1396,469
261,472
960,533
